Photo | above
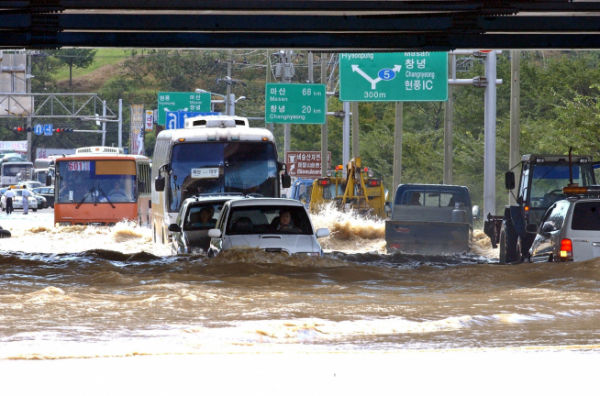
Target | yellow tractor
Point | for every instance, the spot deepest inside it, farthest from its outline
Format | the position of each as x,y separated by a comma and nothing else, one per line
358,191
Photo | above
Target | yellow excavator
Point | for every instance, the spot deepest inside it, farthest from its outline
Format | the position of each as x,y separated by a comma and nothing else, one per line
359,191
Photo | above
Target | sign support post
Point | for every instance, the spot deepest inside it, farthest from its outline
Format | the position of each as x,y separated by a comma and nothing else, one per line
324,125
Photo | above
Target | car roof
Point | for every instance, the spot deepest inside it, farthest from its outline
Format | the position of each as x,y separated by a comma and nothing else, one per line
212,198
266,202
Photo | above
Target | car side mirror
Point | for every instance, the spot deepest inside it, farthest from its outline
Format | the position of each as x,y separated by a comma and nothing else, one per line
159,183
214,233
531,228
322,232
509,180
48,180
286,180
174,228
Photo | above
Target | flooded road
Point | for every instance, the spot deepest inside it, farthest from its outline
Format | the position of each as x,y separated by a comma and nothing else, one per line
108,292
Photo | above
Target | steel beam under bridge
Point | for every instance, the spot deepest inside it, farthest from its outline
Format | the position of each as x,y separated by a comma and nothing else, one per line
308,41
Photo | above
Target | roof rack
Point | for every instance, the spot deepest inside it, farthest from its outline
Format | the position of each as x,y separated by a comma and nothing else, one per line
208,195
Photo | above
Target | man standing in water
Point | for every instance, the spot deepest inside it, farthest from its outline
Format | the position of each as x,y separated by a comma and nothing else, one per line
26,195
9,194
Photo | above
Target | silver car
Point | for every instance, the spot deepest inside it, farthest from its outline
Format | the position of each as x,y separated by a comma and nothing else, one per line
569,231
271,224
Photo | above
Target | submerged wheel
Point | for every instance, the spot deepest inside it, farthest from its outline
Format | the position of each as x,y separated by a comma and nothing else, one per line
507,243
5,234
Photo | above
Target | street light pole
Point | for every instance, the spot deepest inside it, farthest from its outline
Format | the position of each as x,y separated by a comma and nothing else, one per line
229,101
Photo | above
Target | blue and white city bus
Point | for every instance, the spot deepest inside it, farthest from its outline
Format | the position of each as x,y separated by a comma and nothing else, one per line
210,155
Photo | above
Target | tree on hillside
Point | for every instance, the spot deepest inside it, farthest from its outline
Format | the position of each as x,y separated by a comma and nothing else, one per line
78,57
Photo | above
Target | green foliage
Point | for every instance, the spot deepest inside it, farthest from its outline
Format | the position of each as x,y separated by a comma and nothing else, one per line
75,57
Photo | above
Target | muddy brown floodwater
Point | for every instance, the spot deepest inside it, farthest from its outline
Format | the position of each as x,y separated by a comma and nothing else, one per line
87,291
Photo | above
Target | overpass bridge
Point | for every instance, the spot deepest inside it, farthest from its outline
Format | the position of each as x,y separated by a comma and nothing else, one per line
332,25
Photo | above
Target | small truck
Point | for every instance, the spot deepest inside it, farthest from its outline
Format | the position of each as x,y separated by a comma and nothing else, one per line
430,219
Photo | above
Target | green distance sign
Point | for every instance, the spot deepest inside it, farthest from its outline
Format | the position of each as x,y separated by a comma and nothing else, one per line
295,103
188,101
394,77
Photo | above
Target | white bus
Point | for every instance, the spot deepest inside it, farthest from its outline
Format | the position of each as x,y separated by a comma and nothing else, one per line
12,173
211,154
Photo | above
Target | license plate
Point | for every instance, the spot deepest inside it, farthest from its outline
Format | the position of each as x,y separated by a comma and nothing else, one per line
205,173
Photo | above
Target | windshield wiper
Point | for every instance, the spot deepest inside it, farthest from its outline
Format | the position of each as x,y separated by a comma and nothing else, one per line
106,196
84,197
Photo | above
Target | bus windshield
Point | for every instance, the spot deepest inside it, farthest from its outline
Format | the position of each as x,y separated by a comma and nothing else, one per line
101,181
246,167
9,169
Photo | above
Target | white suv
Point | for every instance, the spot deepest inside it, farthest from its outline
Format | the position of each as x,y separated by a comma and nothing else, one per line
270,224
569,231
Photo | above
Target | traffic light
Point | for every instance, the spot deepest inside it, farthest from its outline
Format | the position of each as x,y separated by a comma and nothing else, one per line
63,130
22,129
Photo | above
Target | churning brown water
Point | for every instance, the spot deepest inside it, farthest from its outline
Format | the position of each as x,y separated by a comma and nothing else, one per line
101,292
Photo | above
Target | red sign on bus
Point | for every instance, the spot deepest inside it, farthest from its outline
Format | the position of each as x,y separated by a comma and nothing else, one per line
79,166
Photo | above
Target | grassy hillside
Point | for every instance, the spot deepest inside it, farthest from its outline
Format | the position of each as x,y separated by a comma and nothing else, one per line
104,57
106,65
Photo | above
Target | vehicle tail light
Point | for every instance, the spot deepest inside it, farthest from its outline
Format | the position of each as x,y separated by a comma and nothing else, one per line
324,182
566,250
373,182
396,246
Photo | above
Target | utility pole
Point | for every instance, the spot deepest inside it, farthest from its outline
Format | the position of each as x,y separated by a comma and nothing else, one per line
104,123
287,72
345,136
269,79
28,78
355,140
489,82
120,122
489,144
228,103
397,169
311,75
448,122
324,126
515,112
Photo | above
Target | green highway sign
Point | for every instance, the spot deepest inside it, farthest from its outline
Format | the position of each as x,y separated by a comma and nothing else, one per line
188,101
394,77
295,103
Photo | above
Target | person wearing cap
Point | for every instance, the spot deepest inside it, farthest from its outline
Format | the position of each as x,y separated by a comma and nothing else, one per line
9,194
26,195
